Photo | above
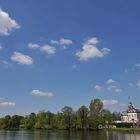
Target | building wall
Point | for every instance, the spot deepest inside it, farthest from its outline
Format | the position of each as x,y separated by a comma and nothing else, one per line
131,117
124,118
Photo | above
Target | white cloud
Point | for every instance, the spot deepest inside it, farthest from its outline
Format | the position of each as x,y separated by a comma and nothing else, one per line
33,46
37,92
89,50
4,104
110,81
98,87
21,58
105,51
110,102
54,42
48,49
118,90
92,41
44,48
64,41
7,24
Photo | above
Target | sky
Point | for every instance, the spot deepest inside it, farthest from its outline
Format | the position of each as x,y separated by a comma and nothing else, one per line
68,52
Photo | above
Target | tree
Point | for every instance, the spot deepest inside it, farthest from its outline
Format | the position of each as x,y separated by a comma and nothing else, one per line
5,122
67,112
106,117
29,121
95,107
116,116
50,119
58,121
41,120
82,117
15,121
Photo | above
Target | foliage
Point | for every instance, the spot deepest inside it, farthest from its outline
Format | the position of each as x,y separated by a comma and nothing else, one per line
84,118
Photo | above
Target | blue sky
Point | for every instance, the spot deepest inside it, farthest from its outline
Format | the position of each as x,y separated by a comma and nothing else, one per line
68,52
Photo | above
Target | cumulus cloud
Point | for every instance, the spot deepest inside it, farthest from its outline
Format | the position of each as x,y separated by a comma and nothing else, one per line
21,58
62,42
105,51
37,92
4,104
90,51
54,42
7,24
98,87
48,49
110,81
110,102
33,46
44,48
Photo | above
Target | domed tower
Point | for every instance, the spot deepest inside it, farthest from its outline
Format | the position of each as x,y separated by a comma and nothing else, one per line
130,107
131,115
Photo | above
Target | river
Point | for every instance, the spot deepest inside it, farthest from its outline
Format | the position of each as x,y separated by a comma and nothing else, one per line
66,135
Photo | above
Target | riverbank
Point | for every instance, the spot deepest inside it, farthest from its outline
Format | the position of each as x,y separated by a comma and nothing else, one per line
125,129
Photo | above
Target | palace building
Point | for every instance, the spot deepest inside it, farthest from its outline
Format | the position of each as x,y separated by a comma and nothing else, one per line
131,115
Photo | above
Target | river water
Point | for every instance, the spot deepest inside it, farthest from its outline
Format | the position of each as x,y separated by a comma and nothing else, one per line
66,135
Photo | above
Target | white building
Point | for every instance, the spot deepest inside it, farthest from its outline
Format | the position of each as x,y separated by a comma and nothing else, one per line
131,115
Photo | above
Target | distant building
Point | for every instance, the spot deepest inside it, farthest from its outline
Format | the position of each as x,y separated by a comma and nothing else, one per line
131,115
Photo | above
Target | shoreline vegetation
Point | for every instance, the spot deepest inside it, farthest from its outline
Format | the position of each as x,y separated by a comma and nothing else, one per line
94,117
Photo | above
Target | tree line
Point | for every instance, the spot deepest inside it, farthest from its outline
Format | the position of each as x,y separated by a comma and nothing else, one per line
68,119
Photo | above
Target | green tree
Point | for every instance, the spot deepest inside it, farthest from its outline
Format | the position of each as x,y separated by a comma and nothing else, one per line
67,114
58,121
41,120
50,120
106,117
15,121
82,117
29,121
5,122
116,116
95,107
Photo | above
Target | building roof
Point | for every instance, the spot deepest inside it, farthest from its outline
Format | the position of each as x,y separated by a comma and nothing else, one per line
130,109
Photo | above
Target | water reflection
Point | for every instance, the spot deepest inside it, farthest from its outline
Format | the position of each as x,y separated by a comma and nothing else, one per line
122,135
67,135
